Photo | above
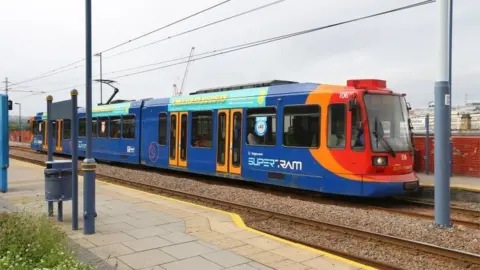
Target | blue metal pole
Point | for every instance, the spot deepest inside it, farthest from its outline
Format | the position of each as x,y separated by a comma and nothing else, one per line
60,211
442,119
74,140
4,147
89,164
427,144
450,41
49,144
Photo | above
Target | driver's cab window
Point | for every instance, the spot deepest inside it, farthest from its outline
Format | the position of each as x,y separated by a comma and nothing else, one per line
357,140
336,125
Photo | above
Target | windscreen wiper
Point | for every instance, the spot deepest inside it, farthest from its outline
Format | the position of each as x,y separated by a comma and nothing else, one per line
383,140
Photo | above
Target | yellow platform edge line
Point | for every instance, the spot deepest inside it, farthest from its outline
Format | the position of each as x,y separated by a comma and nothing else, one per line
461,187
239,223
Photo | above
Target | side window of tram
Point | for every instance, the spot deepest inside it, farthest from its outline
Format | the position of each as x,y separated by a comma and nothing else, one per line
336,125
357,139
261,126
301,126
94,127
103,124
82,131
202,129
162,129
40,128
67,129
36,125
115,127
128,127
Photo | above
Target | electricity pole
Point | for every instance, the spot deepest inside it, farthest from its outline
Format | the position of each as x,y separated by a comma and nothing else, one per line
6,86
89,165
443,119
101,74
20,119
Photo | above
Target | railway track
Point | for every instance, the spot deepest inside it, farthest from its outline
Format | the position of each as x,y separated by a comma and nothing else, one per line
403,206
465,259
460,216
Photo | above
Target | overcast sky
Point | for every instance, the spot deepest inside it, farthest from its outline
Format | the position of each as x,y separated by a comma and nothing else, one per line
38,36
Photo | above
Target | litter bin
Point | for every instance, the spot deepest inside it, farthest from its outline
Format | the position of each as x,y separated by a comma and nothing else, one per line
58,184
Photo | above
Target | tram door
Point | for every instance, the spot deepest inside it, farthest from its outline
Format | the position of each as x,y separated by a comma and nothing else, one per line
229,141
59,135
178,139
44,133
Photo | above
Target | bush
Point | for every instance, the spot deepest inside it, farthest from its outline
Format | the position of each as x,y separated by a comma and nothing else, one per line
29,241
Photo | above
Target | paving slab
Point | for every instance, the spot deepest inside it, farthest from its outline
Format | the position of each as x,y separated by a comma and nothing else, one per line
139,230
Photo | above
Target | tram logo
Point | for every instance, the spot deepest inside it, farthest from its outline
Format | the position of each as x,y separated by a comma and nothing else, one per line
153,152
275,163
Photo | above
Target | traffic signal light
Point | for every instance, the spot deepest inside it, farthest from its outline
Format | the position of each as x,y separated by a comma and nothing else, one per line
10,105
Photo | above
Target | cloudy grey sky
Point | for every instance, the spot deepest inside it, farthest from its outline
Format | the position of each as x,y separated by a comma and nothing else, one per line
38,36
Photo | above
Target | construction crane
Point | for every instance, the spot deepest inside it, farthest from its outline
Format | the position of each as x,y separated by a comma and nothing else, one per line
176,91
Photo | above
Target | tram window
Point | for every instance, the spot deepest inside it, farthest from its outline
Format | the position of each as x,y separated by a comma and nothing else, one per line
358,140
162,129
82,132
261,126
115,127
67,128
103,124
336,125
36,127
301,126
94,127
40,128
128,127
202,129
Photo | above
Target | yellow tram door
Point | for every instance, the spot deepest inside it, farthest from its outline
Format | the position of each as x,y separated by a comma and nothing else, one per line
183,134
45,127
173,144
178,139
59,135
229,141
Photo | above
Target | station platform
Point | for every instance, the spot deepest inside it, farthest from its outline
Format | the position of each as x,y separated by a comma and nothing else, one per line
456,182
139,230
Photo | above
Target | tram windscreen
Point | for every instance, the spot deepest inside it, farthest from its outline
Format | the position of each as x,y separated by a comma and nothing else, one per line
388,123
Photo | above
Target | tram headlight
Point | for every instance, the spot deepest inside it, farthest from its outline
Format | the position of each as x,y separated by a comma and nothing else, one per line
379,161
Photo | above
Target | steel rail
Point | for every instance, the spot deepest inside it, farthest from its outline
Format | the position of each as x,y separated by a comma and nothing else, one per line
453,254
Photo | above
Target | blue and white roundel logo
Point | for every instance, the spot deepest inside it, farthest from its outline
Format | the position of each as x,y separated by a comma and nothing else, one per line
260,127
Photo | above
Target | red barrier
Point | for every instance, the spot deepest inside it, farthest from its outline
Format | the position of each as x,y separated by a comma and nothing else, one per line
466,155
25,135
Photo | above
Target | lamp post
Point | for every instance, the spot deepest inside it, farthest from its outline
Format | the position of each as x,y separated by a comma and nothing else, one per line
101,73
89,165
19,119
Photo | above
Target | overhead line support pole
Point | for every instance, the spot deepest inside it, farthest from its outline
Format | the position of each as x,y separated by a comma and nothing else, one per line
443,118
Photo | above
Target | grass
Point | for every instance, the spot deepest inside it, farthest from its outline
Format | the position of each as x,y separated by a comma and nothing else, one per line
32,241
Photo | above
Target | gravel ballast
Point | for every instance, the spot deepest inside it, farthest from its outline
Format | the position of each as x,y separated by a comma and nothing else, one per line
457,237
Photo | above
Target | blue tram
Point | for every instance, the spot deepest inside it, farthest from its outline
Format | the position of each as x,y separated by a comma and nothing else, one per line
349,140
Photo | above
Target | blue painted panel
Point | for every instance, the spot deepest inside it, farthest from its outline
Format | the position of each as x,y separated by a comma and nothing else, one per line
4,147
152,153
37,142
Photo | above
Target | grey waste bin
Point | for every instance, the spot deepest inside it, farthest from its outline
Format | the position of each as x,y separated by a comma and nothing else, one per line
58,180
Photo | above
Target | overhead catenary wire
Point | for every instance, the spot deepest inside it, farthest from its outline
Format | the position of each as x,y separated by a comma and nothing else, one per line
56,70
277,38
197,28
265,41
165,26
